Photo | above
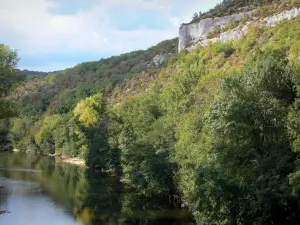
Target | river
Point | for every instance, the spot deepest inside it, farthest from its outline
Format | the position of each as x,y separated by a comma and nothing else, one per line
36,190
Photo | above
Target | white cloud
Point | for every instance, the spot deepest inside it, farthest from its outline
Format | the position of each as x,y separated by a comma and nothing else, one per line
30,27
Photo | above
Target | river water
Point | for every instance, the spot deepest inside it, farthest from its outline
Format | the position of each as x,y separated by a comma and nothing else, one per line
36,190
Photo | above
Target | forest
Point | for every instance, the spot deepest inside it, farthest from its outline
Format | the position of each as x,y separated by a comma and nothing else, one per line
218,128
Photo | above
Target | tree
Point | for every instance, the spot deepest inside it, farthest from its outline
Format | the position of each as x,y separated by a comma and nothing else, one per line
20,134
45,135
90,110
8,79
195,17
146,143
92,117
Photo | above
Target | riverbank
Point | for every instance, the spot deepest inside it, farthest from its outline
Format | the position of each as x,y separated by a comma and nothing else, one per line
61,158
69,160
73,161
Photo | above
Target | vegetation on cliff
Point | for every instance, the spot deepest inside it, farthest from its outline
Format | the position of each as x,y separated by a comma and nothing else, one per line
262,8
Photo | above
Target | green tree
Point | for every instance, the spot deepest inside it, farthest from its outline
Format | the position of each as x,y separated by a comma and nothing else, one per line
146,143
59,134
8,79
21,135
93,119
5,144
90,110
44,137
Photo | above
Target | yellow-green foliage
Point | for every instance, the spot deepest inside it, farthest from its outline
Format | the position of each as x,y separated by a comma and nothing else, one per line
58,134
44,137
89,111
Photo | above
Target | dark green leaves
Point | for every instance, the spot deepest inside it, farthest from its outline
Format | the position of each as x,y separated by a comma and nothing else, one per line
8,78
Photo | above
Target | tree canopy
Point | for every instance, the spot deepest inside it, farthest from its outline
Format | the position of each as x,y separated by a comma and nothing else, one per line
8,79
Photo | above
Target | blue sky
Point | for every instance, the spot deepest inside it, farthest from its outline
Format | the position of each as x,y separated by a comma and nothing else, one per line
56,34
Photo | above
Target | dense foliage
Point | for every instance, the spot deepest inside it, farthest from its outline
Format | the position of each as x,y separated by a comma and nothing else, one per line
217,128
9,78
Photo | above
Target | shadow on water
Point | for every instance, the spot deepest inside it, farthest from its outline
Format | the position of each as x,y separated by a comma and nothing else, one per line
91,198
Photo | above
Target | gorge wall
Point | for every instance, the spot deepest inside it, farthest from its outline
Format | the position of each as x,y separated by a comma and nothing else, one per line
193,34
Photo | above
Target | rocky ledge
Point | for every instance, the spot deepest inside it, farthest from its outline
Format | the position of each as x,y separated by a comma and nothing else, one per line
192,35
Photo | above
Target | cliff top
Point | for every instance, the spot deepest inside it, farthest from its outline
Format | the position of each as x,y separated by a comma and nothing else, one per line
229,7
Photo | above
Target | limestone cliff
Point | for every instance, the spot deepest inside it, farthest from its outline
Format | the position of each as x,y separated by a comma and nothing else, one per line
193,34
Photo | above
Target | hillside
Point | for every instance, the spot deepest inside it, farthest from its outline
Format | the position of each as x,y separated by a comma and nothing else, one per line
33,73
60,91
217,127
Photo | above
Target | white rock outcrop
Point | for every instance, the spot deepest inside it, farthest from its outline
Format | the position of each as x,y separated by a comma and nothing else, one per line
159,59
272,21
192,35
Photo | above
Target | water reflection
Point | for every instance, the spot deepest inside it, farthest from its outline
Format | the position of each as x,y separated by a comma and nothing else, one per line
91,198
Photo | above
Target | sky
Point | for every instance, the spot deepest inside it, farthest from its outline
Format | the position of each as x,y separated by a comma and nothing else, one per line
52,35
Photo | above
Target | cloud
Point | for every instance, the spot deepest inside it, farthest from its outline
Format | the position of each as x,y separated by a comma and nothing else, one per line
69,7
39,28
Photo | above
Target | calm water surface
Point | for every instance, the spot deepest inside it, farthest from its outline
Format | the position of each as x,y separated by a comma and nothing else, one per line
39,191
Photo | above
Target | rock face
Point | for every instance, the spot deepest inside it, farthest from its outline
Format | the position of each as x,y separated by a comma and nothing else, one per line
159,59
234,34
191,35
271,21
